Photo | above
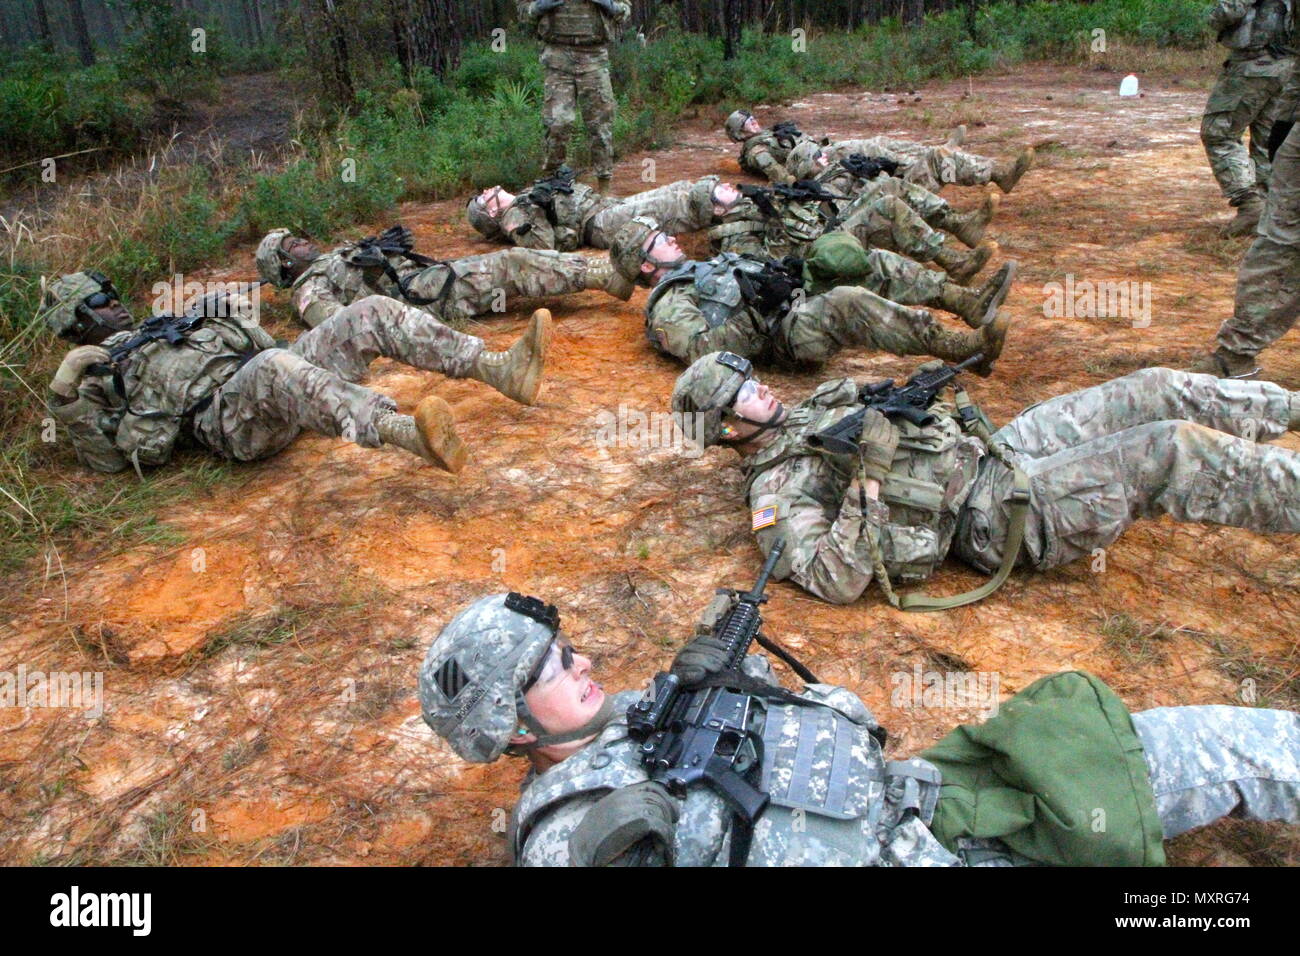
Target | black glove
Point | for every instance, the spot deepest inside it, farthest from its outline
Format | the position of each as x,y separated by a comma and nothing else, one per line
626,827
546,6
701,658
1277,136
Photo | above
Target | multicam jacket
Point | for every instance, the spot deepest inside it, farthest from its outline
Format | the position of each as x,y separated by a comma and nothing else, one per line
837,539
162,387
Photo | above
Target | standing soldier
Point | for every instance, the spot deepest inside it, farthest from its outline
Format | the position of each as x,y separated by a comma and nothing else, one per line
1258,32
576,60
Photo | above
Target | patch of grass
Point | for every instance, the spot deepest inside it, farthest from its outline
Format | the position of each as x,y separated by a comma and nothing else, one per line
243,753
1260,682
1133,641
167,838
255,630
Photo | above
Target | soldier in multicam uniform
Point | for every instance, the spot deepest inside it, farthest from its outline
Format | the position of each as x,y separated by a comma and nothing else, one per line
456,290
1260,35
502,678
764,153
572,215
809,161
576,60
1268,280
770,224
225,383
699,307
1064,477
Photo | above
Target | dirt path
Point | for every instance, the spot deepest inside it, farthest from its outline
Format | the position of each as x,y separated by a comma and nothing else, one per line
259,679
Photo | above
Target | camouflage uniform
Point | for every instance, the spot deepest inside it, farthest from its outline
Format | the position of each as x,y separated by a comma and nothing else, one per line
859,810
697,308
1268,280
583,218
835,800
576,61
931,167
876,221
932,208
1259,34
765,153
230,387
461,288
1151,443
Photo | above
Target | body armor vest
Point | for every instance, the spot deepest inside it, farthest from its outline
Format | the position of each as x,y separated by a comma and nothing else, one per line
822,768
1265,27
718,292
929,481
575,23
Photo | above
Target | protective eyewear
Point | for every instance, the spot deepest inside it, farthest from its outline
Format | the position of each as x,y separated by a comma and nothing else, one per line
557,659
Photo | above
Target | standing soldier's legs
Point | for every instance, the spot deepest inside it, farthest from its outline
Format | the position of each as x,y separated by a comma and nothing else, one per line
1268,281
821,325
596,100
1235,103
278,393
1210,762
352,338
559,105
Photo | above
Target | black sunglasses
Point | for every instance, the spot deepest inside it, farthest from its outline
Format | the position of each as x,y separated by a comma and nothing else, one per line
566,661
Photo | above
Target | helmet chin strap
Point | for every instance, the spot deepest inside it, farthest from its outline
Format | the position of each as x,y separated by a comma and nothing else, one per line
771,423
589,729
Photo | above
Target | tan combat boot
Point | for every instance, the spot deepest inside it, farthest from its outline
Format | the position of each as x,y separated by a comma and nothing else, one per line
979,307
969,226
429,433
1007,172
995,336
957,137
963,266
517,372
1226,364
603,185
1247,218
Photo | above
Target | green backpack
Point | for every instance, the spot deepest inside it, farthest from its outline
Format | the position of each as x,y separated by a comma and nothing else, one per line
837,258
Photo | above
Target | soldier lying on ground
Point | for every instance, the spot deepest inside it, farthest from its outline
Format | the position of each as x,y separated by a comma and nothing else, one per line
700,307
771,223
558,213
127,395
862,178
501,677
449,291
764,153
1062,479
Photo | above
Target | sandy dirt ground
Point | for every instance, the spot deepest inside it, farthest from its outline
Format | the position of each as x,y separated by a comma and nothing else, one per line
259,679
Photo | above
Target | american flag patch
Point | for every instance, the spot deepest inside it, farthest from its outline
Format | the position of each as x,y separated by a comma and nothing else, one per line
763,518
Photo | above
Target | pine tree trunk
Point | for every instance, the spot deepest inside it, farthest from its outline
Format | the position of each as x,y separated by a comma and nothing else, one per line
81,33
43,25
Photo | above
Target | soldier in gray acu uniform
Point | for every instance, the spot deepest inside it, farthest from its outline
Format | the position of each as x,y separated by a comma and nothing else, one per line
502,678
221,381
700,307
1260,35
1063,478
575,58
451,291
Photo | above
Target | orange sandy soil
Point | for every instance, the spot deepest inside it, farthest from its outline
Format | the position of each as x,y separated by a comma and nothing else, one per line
274,690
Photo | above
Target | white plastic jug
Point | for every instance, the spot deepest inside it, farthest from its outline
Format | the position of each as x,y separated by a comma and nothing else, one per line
1129,85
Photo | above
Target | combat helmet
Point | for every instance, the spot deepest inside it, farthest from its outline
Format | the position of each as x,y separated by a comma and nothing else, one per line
802,161
471,683
482,220
68,316
706,391
270,257
735,125
626,252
